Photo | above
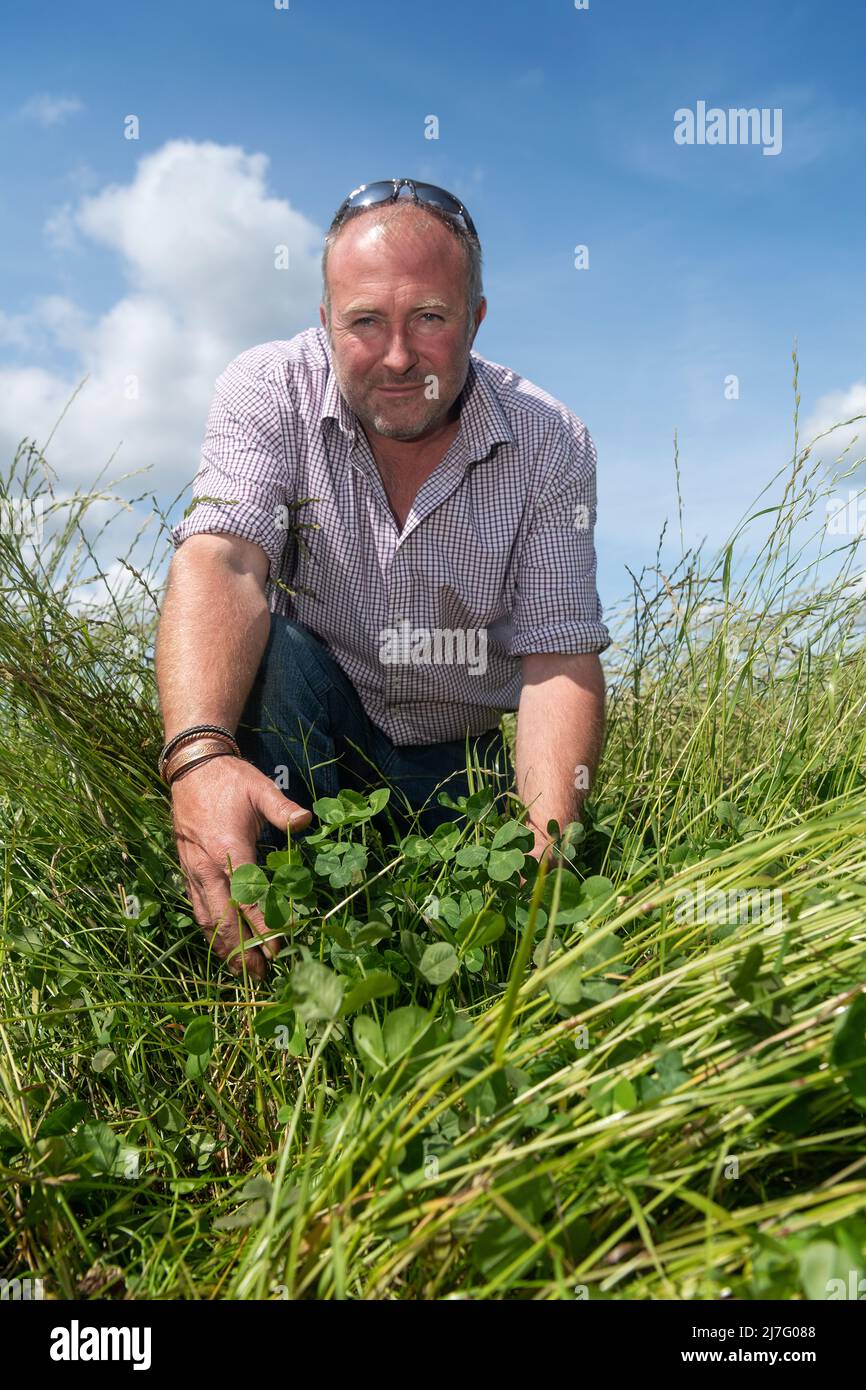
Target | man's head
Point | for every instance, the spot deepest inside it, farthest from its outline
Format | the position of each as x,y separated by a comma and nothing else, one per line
402,302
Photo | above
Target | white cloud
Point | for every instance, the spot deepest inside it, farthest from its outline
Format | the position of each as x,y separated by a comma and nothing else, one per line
15,330
195,230
47,110
830,414
59,229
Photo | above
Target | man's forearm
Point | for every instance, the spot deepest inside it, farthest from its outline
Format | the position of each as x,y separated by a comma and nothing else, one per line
560,732
212,632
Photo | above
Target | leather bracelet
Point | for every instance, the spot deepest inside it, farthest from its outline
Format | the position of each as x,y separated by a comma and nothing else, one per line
203,742
183,765
180,772
177,760
202,747
185,740
193,729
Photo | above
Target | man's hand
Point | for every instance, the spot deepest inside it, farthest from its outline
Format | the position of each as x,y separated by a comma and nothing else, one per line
219,809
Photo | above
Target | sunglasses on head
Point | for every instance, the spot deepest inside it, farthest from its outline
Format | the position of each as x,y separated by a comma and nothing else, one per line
388,191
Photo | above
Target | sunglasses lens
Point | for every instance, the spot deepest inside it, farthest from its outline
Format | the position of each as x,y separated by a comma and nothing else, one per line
373,193
441,198
429,193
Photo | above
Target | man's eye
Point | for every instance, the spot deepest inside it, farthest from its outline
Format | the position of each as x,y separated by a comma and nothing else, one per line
428,314
365,318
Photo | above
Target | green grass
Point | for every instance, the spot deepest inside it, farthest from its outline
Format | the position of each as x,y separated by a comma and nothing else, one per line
452,1085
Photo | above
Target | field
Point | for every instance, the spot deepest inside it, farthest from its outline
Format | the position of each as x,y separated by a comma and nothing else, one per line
640,1075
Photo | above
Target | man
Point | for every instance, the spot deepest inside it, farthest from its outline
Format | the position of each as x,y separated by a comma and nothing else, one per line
395,546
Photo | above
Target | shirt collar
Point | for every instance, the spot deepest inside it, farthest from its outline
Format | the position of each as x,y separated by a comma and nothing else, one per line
483,422
334,406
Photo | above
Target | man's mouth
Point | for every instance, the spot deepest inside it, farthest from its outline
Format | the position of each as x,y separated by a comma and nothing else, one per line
399,390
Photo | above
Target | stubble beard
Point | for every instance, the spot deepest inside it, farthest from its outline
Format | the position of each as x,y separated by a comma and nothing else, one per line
387,426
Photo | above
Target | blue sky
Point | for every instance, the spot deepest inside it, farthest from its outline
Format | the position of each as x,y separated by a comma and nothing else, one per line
148,257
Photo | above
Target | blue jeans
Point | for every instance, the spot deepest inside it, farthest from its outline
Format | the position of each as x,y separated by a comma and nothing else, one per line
303,725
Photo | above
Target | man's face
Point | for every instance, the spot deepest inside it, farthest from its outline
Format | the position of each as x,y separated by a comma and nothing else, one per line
400,333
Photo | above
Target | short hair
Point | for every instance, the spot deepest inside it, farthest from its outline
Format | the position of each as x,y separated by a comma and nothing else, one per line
469,242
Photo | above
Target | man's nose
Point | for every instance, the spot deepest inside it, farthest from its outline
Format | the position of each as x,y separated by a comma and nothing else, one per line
399,356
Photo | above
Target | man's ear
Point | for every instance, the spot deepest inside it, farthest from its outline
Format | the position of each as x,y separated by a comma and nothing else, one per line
323,317
480,315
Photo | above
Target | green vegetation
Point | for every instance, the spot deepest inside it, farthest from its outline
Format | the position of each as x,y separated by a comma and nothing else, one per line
455,1083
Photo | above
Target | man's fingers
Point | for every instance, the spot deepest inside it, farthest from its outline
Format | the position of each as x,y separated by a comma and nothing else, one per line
200,909
278,810
254,918
250,953
225,932
250,916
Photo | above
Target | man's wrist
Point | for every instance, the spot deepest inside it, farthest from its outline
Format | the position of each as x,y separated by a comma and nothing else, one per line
184,772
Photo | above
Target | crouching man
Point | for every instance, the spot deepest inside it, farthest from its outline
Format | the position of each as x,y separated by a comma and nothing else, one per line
394,545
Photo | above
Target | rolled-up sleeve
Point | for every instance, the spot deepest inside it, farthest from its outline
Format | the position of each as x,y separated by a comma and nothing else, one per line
243,486
557,607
